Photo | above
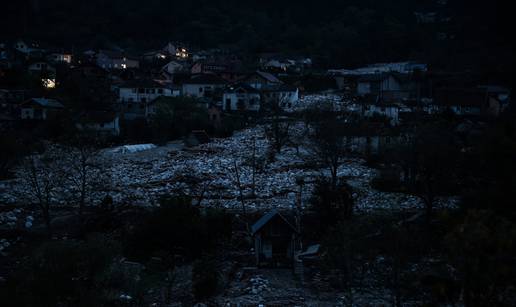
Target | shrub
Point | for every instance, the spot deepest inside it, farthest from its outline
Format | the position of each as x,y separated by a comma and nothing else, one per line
205,278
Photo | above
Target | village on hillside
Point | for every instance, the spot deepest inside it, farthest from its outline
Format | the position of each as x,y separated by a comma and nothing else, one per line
190,177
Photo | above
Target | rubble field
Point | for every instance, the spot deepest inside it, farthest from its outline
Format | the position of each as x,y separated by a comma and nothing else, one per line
211,174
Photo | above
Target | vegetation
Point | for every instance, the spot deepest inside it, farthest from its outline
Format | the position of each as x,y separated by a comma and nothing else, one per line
341,33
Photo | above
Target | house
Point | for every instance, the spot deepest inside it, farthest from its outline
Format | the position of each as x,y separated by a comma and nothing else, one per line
170,49
40,68
105,123
261,79
138,97
371,138
366,80
380,68
281,63
60,57
285,96
173,67
388,110
387,87
241,97
498,97
152,56
11,96
28,48
40,109
45,71
275,240
10,100
224,67
142,91
116,60
203,85
476,101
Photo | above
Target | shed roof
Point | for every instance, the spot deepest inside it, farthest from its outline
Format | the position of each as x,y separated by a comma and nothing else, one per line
267,218
45,102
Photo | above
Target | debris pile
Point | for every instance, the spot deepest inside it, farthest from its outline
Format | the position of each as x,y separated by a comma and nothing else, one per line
223,173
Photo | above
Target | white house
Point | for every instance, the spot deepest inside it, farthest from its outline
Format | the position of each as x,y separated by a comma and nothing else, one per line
142,91
40,108
202,85
241,97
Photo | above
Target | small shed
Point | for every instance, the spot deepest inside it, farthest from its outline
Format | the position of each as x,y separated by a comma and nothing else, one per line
40,108
275,240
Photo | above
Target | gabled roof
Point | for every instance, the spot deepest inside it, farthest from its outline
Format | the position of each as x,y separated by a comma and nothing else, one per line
267,218
205,79
371,77
116,55
45,102
268,76
240,86
278,88
142,83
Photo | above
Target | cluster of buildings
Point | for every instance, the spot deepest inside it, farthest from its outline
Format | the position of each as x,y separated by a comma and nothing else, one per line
398,90
115,86
103,88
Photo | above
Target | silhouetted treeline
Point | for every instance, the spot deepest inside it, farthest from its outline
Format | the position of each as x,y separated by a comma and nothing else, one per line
337,33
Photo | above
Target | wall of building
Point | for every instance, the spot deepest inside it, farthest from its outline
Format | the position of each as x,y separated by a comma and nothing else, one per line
199,90
240,101
143,94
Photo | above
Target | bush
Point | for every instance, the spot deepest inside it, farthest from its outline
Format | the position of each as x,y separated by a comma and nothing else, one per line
331,206
177,227
205,278
386,181
64,272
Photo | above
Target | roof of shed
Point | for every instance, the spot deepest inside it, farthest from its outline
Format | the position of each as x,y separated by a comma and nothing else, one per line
267,218
45,102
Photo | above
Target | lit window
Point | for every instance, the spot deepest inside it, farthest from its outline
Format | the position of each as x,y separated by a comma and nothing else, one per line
49,83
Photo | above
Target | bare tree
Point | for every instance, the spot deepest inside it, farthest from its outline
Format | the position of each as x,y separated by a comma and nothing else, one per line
429,161
330,145
86,171
277,130
41,179
238,182
277,133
